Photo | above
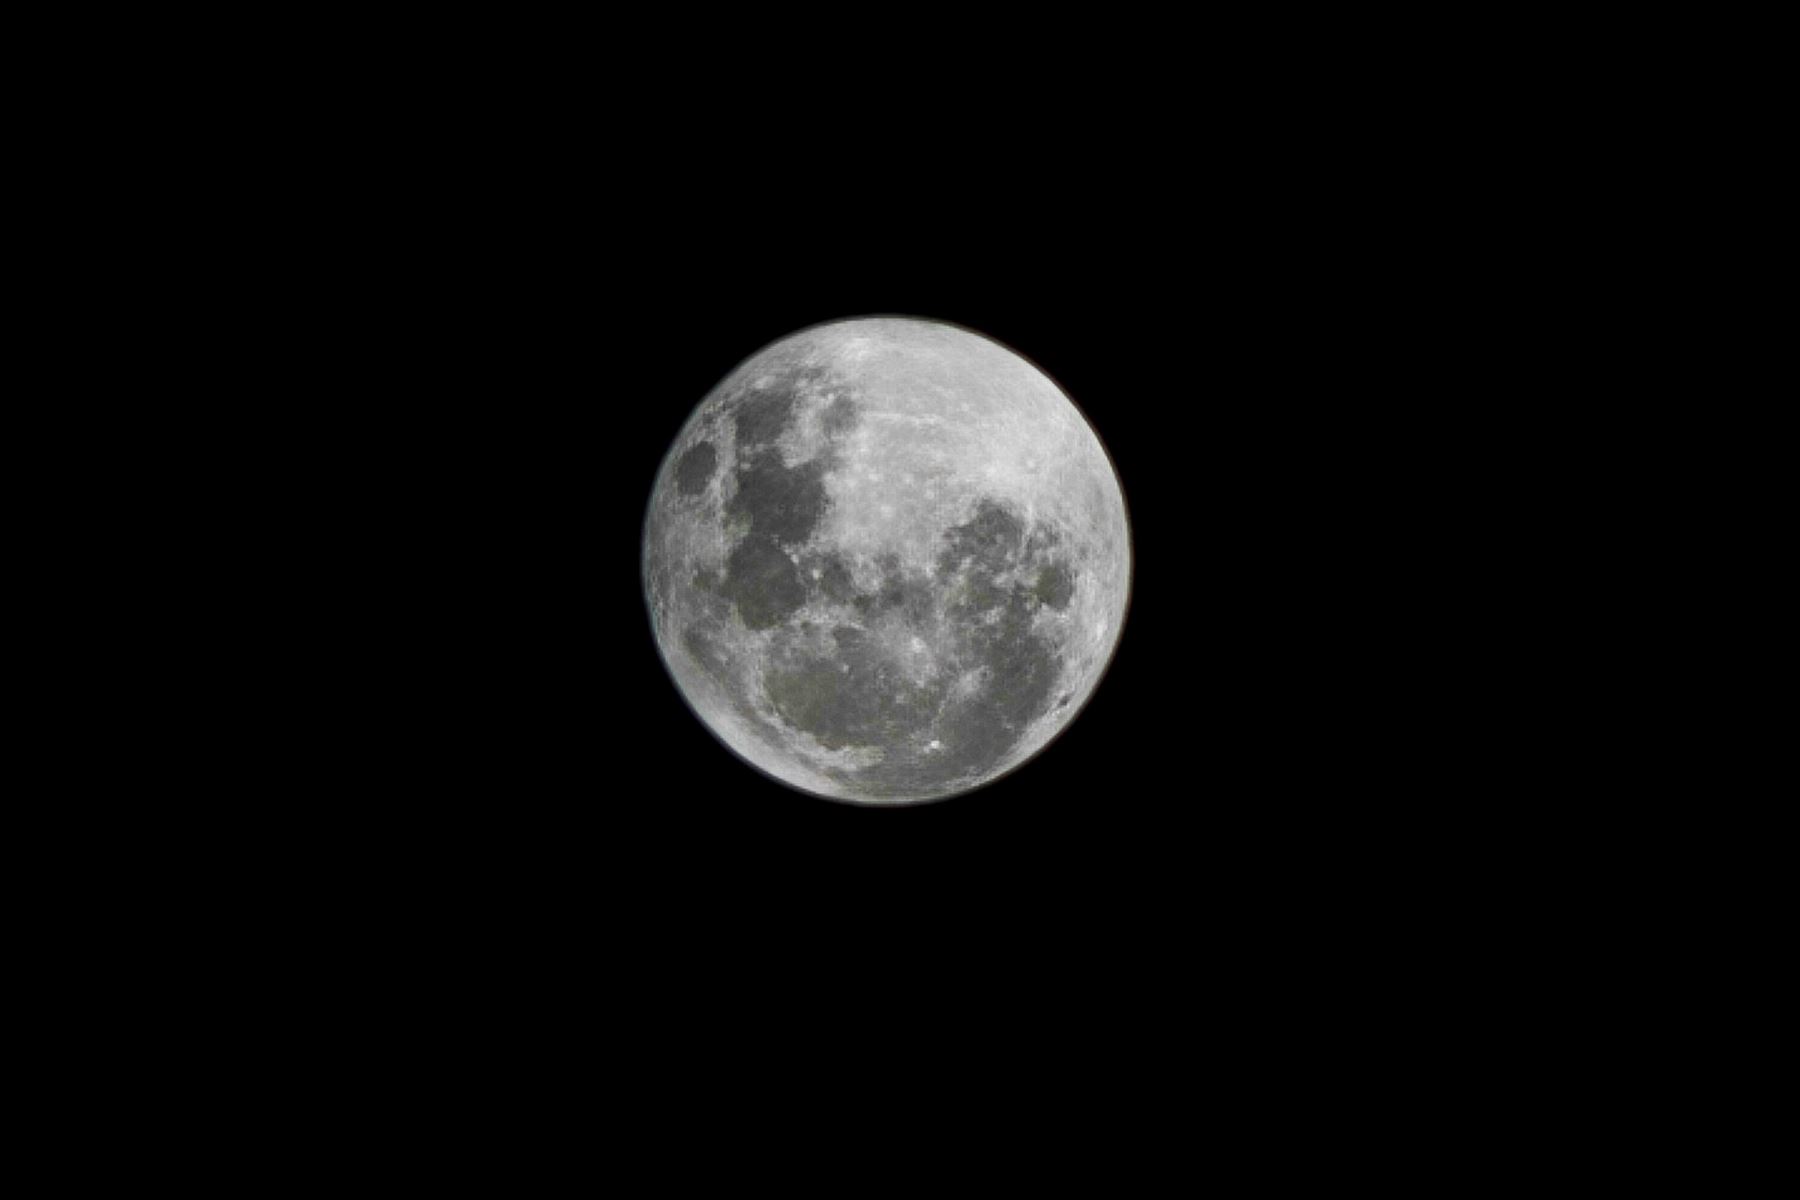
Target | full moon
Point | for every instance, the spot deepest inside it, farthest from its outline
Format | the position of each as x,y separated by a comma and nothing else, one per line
886,560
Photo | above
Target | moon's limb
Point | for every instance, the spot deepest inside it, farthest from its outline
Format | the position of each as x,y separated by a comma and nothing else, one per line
886,560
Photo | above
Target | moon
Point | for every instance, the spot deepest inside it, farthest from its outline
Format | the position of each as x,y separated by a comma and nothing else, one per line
886,560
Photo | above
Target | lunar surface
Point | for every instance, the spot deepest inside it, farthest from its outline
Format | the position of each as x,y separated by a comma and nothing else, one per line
886,560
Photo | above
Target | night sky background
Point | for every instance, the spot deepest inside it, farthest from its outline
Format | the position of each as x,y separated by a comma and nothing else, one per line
446,830
1272,328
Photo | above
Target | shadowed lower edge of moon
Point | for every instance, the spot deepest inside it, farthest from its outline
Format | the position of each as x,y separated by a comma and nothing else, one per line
804,694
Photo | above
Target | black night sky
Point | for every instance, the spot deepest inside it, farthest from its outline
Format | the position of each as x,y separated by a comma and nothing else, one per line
1289,394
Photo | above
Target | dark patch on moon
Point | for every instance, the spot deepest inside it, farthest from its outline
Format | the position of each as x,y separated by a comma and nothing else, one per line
761,417
694,470
763,582
1022,662
781,505
780,502
990,538
839,416
1055,586
834,578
